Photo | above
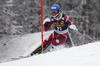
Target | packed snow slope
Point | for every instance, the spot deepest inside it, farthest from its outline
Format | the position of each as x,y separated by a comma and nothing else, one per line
85,55
20,46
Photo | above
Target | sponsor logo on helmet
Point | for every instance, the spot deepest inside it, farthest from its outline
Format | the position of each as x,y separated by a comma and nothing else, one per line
53,8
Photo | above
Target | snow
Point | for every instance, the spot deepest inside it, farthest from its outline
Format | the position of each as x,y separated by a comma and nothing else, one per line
21,46
85,55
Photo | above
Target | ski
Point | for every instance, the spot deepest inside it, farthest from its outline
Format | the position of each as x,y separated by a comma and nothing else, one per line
20,57
36,52
39,49
15,58
23,57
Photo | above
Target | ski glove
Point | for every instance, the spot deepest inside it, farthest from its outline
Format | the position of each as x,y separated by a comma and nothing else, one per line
73,27
46,24
46,20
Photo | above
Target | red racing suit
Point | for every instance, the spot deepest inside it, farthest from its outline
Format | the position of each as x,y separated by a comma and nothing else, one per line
59,36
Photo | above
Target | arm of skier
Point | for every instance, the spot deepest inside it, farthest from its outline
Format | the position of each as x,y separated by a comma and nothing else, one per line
69,21
72,24
47,24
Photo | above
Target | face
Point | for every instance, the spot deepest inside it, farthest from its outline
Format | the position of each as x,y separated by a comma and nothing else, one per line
54,12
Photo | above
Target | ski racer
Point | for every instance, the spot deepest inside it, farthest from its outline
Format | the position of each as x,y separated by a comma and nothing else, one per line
61,23
59,36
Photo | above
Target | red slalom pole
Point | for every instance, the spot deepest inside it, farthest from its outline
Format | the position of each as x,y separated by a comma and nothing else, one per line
42,24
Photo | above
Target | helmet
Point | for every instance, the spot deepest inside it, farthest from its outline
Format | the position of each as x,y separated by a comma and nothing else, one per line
55,7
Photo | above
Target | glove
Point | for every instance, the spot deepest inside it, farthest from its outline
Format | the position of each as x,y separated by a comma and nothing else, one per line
73,27
46,24
46,20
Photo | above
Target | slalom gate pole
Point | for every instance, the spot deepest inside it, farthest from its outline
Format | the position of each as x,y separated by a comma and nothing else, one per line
20,36
42,24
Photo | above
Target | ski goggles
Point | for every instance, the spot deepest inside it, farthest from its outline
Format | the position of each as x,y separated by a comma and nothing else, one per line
54,11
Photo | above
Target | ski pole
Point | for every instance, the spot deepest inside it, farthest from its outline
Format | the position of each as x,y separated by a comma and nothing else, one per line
86,36
20,35
15,38
70,38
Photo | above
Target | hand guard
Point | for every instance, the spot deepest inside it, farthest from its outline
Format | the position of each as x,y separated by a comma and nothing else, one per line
73,27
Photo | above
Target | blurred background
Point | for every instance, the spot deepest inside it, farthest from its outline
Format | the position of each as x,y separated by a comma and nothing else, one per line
19,16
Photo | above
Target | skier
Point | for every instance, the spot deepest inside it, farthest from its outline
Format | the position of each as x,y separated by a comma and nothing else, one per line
60,22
